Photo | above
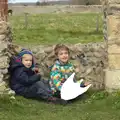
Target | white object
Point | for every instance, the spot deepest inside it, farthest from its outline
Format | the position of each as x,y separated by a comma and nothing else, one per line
71,90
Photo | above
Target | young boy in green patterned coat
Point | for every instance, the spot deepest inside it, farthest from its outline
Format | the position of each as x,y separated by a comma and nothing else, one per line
61,70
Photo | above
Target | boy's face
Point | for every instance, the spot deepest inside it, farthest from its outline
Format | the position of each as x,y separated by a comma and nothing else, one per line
63,56
27,60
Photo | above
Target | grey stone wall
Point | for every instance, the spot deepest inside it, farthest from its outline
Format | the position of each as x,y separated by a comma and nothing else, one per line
90,61
5,41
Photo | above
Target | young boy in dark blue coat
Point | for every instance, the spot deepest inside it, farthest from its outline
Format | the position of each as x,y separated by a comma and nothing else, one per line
25,81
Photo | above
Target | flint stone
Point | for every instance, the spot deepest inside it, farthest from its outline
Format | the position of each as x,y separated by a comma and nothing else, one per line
4,62
3,27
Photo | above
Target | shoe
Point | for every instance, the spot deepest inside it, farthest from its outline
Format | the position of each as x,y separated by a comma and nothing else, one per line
57,101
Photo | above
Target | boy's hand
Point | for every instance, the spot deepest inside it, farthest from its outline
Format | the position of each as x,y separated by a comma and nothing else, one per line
36,70
77,70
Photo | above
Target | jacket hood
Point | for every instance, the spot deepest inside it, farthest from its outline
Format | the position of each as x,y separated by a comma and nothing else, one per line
16,61
21,53
14,64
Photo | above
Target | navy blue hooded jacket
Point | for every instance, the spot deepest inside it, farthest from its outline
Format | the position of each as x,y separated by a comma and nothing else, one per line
21,77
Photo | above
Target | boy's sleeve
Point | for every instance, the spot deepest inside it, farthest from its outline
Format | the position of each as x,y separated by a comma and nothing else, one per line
24,79
56,78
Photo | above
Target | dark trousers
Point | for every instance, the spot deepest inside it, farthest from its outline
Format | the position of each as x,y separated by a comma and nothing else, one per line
39,90
57,94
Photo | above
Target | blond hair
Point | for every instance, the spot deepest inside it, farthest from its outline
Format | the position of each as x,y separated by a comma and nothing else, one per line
26,55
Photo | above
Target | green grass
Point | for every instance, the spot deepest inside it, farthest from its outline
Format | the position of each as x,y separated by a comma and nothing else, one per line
57,28
92,106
